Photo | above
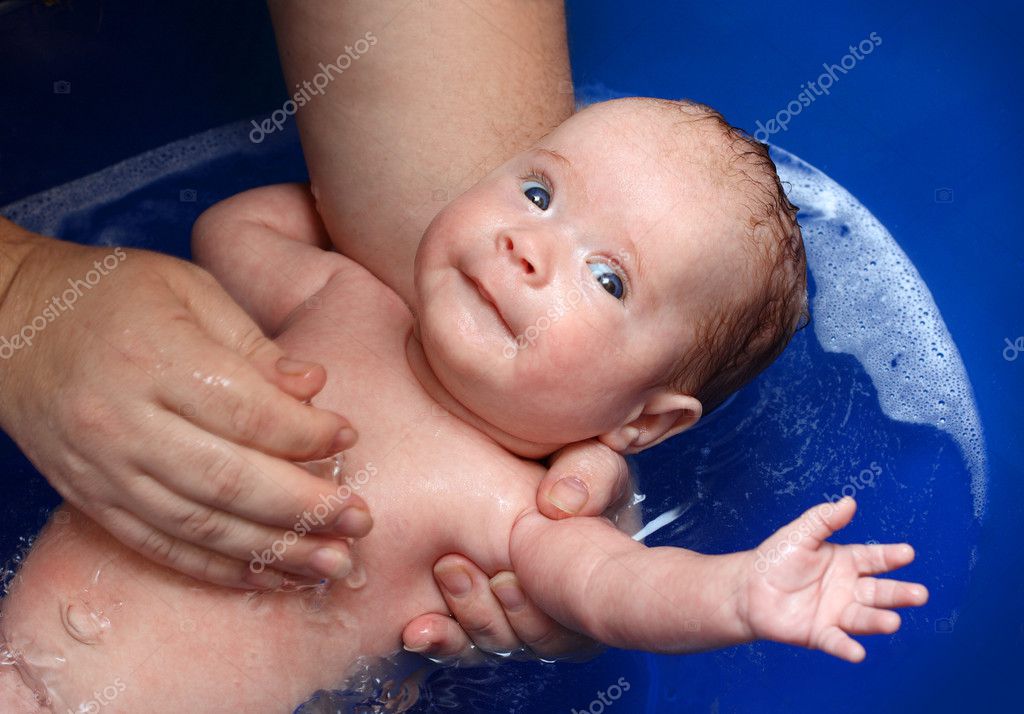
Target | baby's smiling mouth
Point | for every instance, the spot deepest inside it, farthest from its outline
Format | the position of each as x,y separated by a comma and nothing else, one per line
490,301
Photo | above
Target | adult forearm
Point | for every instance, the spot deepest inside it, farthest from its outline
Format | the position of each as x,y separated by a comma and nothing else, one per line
438,94
16,246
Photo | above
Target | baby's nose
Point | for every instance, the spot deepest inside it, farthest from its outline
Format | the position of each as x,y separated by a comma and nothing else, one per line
524,255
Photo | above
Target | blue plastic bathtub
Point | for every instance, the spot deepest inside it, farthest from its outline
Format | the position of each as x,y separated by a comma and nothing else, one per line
921,131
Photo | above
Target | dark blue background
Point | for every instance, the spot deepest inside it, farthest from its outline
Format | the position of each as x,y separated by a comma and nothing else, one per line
936,106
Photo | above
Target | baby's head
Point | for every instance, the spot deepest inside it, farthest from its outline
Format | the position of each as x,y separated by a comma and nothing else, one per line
625,275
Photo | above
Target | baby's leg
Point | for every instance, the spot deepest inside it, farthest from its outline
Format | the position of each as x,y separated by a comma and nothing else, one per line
90,621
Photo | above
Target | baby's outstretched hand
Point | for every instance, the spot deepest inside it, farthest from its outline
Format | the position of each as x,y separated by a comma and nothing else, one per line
806,591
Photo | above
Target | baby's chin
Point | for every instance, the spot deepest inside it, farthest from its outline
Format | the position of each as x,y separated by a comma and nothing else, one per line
522,414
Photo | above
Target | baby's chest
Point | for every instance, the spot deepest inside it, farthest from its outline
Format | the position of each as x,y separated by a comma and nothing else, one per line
434,485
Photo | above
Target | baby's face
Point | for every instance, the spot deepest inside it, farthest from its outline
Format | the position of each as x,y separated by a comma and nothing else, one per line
555,294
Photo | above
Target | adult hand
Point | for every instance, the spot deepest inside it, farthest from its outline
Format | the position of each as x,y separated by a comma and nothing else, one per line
490,615
495,614
153,403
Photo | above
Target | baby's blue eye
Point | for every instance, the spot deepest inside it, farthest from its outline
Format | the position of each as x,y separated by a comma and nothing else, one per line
536,192
609,279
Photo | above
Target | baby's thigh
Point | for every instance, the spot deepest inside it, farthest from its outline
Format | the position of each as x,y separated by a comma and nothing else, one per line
91,621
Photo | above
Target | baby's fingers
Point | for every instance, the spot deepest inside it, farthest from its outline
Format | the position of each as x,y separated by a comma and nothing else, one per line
860,619
875,559
879,592
838,644
816,524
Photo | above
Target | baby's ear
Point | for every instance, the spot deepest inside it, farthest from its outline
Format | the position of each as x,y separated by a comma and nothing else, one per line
665,414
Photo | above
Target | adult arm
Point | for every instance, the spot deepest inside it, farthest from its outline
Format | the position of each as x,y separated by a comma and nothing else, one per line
439,94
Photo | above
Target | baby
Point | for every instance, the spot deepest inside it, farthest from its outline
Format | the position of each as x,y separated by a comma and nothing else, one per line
612,284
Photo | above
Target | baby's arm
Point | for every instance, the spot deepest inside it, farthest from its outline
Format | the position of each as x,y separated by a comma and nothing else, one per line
796,588
595,579
269,250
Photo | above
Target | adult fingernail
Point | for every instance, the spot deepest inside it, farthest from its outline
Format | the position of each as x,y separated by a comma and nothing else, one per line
330,563
508,592
345,438
420,641
294,367
569,494
353,522
456,581
264,580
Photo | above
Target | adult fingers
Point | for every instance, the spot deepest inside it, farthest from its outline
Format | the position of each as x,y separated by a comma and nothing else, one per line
440,637
226,323
467,592
295,550
224,390
535,629
199,563
255,486
585,479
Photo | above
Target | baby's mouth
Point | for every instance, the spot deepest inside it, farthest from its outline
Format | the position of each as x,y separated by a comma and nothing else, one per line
490,301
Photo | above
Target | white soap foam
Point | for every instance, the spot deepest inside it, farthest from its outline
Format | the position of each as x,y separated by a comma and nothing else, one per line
872,303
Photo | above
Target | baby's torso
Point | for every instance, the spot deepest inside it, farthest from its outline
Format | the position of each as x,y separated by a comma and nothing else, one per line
433,484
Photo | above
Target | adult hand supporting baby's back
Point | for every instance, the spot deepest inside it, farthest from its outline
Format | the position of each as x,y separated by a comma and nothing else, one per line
154,404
